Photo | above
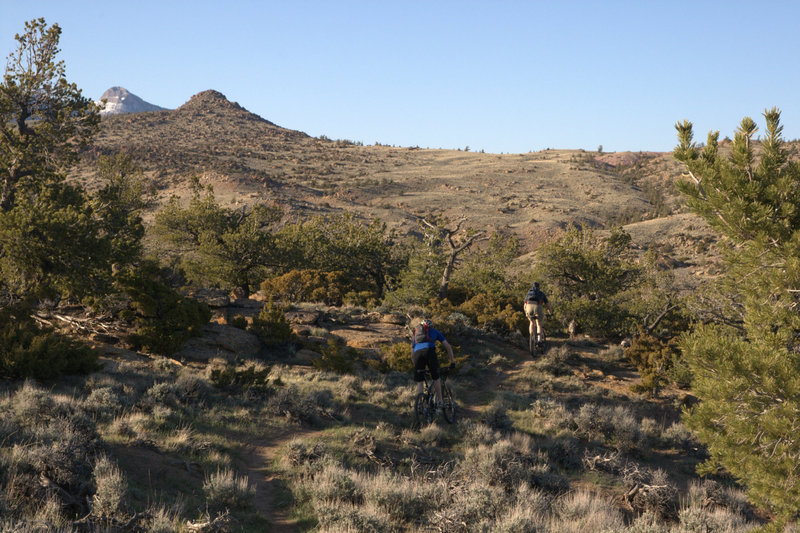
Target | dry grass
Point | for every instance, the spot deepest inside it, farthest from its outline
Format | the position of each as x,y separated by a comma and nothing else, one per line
554,456
225,489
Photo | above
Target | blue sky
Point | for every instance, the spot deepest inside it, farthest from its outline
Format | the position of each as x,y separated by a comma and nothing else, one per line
499,76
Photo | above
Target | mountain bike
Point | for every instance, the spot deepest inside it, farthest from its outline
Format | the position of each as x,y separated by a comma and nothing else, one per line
537,347
425,403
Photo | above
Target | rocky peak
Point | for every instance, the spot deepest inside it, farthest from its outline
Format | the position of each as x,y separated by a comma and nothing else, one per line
120,100
213,102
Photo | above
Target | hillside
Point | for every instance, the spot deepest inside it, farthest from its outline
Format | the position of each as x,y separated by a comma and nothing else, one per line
249,159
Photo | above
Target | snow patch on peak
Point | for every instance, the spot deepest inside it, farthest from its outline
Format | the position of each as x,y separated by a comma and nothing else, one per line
119,100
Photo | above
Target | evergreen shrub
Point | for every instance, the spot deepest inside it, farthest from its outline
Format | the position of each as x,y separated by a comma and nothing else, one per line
30,351
164,319
310,286
336,358
271,326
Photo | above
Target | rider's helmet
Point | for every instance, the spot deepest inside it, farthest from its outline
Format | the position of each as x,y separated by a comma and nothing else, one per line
426,322
535,284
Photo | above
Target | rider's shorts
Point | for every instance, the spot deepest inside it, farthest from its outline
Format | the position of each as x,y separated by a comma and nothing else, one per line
534,310
421,359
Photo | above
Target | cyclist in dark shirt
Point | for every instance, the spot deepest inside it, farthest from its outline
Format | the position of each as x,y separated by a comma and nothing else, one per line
423,345
535,302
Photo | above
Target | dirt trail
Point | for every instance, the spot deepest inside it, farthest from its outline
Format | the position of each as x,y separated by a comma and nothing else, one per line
259,455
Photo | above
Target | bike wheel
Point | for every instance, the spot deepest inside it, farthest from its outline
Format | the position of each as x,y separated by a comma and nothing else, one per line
431,404
532,345
449,404
420,409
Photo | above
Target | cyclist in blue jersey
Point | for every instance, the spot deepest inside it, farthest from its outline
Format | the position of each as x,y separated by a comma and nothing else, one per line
423,345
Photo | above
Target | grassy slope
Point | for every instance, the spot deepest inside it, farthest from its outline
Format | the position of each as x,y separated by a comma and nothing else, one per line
565,431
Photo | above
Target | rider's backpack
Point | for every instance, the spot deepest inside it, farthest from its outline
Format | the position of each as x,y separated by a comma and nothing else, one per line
421,334
535,296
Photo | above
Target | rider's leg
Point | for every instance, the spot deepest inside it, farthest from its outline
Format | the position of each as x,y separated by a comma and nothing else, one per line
419,362
539,333
437,384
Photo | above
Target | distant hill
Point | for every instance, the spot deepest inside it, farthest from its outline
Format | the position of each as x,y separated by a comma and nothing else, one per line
119,100
248,159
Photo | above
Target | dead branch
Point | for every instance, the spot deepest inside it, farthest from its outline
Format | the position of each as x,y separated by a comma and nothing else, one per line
218,523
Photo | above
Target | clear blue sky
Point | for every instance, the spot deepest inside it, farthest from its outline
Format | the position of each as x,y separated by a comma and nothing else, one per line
500,76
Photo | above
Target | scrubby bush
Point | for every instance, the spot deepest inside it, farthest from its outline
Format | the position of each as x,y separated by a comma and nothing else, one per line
271,326
308,286
111,489
310,409
508,464
654,359
554,361
397,357
679,436
54,444
164,319
238,321
613,426
335,484
225,489
299,453
162,520
336,358
30,351
496,416
494,314
162,394
104,402
585,511
403,499
335,517
652,492
251,376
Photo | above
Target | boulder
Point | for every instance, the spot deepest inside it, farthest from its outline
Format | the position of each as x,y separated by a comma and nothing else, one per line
391,318
303,317
220,340
306,356
211,297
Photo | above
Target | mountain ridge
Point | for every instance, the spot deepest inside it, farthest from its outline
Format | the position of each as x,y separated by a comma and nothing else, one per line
534,196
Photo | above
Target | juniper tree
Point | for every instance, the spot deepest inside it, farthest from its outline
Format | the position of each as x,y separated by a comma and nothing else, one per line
363,251
747,374
586,274
118,207
48,236
44,120
230,248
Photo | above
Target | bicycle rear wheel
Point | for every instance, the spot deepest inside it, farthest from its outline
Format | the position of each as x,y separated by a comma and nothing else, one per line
420,410
449,404
532,345
431,406
543,346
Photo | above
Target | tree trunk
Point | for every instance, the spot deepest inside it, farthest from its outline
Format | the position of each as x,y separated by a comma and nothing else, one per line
448,270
